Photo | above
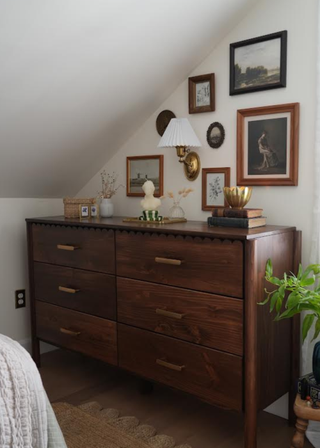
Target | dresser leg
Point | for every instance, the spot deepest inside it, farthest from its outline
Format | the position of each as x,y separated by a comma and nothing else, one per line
298,438
36,351
250,429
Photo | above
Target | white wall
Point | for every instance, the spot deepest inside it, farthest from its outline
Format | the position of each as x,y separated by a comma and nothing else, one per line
13,260
282,205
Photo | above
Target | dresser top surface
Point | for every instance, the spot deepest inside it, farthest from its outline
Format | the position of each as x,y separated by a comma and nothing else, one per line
186,228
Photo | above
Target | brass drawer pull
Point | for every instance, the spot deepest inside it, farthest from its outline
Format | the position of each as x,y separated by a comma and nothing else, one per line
69,332
169,314
67,247
170,366
171,261
68,290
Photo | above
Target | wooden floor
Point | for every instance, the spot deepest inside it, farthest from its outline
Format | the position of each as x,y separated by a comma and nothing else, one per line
75,379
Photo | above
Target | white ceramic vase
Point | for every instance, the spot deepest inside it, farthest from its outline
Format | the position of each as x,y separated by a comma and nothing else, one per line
106,208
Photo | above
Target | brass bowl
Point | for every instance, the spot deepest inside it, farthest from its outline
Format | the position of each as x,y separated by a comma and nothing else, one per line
237,197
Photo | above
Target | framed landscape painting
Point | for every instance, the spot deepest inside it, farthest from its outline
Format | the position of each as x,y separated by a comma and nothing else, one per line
259,63
213,181
143,168
268,145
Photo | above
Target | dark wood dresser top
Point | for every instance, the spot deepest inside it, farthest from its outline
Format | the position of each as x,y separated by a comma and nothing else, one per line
188,228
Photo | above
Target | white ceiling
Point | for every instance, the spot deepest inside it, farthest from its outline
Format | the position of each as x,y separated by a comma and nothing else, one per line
79,77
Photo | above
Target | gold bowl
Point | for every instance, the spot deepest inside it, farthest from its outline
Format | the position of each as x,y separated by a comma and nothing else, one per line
237,197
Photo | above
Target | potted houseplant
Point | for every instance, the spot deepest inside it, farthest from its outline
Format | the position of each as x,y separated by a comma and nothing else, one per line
294,292
109,189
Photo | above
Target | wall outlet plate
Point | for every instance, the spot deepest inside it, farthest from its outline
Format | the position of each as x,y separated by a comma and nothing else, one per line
20,298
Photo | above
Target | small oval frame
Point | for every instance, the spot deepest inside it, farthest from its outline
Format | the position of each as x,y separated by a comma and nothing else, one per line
218,125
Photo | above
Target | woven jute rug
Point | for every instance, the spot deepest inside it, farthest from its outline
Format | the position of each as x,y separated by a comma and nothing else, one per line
91,426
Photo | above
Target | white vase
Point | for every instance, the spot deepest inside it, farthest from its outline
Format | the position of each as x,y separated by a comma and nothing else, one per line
106,208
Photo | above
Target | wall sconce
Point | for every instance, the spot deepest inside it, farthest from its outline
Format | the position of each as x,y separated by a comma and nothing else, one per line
180,135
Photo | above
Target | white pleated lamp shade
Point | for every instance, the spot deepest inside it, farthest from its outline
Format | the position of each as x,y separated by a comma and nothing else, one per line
179,133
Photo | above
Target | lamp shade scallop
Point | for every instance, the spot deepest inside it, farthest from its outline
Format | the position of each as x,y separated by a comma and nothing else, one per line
179,133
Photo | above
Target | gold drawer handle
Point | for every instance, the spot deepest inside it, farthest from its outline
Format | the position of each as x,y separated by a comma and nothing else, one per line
170,366
67,247
171,261
169,314
68,290
69,332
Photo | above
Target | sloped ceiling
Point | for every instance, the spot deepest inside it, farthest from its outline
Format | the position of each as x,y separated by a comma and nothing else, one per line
79,77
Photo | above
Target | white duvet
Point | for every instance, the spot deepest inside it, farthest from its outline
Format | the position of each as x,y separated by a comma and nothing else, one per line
26,417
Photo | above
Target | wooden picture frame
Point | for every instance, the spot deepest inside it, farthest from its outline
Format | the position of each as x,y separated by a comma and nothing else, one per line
202,94
145,168
268,56
217,201
268,145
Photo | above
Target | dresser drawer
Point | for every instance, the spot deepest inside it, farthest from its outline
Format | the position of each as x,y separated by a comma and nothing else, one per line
90,292
77,247
203,264
206,319
214,376
90,335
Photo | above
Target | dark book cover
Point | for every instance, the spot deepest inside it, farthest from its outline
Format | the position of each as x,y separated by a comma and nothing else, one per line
237,213
241,223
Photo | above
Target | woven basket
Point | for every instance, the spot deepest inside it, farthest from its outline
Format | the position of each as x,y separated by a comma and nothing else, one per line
72,206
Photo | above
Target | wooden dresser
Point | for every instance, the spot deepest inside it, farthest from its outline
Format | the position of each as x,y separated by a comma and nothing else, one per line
175,304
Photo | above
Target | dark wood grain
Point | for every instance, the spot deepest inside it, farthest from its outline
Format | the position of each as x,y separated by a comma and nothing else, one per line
97,337
95,247
34,339
96,292
250,337
193,228
209,320
214,376
295,334
205,263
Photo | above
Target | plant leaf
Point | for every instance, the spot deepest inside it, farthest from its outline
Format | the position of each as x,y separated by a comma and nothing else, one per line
316,329
307,323
273,300
293,300
308,281
269,269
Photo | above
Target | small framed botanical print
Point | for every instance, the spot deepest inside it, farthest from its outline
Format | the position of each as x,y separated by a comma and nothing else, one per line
94,210
259,63
213,182
84,211
201,94
268,145
143,168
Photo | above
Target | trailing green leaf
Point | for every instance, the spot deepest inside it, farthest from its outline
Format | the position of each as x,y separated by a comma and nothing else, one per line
297,293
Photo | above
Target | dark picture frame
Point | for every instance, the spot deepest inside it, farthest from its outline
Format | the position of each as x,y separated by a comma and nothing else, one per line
202,94
215,139
263,75
151,169
217,188
268,145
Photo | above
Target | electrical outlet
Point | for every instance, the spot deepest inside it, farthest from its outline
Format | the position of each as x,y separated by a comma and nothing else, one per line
20,296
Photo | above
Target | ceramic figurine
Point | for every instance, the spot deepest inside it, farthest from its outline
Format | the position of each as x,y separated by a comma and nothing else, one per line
149,202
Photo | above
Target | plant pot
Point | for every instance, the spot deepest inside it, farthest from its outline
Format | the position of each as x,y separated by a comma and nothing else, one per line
106,208
316,362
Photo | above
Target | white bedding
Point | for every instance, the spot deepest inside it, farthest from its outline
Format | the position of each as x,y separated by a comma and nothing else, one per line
25,411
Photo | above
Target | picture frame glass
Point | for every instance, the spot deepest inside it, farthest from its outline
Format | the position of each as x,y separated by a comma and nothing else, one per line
267,146
257,64
141,170
202,94
214,191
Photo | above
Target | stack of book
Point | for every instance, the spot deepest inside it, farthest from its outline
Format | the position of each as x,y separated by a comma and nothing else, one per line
245,218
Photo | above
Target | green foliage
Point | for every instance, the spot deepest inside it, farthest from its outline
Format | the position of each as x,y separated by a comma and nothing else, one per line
293,291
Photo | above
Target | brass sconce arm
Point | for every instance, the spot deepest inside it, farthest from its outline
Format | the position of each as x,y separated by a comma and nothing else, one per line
190,160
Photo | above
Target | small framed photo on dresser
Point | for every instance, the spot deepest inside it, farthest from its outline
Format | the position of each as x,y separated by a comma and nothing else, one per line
213,182
84,211
94,211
